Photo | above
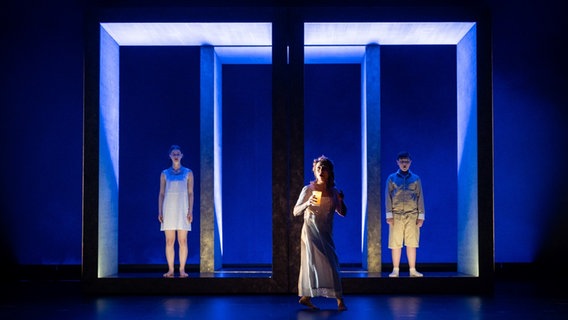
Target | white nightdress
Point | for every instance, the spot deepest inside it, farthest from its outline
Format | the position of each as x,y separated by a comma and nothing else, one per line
319,266
175,203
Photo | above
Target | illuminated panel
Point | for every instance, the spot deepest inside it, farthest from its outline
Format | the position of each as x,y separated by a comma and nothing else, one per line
235,43
385,33
108,156
468,240
191,34
370,158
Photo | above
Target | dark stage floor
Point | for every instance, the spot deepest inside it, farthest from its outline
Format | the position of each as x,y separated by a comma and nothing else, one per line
64,299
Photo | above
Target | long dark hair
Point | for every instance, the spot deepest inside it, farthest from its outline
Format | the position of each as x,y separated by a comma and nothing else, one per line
328,164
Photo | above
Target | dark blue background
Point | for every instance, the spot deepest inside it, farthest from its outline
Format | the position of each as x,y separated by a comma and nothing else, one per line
41,138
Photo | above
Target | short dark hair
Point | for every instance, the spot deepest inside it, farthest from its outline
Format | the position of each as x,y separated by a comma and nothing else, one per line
174,147
403,155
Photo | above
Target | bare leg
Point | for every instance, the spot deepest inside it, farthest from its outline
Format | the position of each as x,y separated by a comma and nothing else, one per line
396,253
411,255
182,241
170,253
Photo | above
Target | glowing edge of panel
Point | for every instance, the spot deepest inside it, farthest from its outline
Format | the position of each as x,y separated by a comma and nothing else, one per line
108,156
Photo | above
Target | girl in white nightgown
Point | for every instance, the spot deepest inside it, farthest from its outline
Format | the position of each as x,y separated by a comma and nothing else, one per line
175,209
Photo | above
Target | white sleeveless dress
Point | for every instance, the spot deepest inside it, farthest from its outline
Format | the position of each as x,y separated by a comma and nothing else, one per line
175,203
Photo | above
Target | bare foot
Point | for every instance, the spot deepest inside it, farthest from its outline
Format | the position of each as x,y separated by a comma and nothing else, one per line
341,305
183,274
306,301
169,274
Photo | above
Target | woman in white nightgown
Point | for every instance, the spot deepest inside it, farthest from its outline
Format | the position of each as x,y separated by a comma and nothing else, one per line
319,267
175,209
